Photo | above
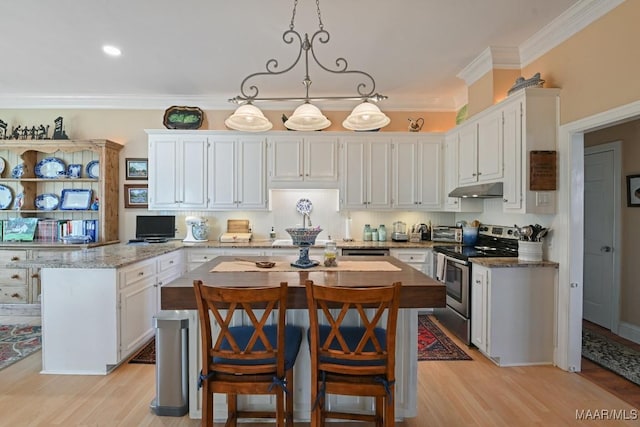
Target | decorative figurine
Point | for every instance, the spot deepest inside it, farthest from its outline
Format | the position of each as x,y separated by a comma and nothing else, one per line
58,132
43,132
416,125
3,129
521,83
15,132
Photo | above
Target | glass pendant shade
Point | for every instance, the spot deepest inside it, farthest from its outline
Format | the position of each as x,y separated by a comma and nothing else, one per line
366,116
248,118
307,117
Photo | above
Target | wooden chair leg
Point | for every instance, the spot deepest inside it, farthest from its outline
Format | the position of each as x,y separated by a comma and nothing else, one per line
232,410
289,397
390,410
380,411
315,409
207,407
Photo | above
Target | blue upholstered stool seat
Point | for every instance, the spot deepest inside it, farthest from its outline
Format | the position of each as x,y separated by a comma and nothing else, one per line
242,334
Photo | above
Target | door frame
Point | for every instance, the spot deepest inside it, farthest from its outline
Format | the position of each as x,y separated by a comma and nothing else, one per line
616,147
568,248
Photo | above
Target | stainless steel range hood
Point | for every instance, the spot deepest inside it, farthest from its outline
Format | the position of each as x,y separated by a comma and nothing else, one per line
479,191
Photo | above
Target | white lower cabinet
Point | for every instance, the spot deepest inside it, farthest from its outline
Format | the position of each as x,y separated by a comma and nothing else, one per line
420,259
513,312
198,256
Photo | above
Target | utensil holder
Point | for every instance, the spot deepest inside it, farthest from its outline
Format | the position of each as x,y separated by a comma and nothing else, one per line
529,251
469,235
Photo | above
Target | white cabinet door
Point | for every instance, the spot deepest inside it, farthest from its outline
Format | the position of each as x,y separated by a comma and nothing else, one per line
416,173
468,154
354,169
451,171
378,175
321,159
479,310
177,172
512,131
303,161
430,176
238,173
286,159
490,147
406,176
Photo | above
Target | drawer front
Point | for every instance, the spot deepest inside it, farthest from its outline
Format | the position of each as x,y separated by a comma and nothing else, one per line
14,276
170,260
137,272
13,294
409,257
202,256
9,256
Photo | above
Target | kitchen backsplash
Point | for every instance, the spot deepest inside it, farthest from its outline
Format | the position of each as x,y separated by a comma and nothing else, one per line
283,214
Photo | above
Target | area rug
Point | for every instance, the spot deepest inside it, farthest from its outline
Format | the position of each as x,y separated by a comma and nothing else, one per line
433,344
147,355
612,355
17,342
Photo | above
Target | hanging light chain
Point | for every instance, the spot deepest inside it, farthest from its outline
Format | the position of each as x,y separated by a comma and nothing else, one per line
320,24
293,15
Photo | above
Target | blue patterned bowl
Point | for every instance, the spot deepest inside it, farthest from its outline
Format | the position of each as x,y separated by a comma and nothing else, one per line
304,236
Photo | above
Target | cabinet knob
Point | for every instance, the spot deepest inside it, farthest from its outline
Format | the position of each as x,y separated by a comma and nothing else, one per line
306,174
455,202
171,262
35,276
141,273
15,276
15,258
474,174
605,249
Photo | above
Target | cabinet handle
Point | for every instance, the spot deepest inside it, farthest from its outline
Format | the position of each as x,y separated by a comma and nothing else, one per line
455,202
479,173
306,174
15,258
141,273
35,276
171,262
474,174
505,200
15,276
478,282
300,175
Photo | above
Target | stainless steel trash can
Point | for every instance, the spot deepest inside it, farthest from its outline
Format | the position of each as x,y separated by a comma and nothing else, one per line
172,363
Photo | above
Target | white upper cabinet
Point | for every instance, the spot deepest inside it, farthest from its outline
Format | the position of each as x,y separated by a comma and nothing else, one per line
297,162
480,145
366,173
530,124
237,175
450,175
417,173
177,167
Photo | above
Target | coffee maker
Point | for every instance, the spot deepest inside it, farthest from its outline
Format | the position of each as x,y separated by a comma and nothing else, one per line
196,229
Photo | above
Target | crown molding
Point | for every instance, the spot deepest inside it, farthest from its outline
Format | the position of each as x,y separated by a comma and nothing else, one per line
571,21
501,57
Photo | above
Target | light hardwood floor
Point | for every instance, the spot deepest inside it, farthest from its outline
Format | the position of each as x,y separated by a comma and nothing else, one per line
455,393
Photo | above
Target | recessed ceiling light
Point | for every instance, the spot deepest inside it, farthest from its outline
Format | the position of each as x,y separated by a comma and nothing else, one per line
111,50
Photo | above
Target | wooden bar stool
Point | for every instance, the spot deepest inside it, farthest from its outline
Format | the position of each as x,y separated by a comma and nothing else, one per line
254,359
353,360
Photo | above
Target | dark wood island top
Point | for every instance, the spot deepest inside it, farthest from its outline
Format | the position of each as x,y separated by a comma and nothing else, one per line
418,289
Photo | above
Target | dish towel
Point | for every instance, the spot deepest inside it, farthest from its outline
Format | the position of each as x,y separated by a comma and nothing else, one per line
440,260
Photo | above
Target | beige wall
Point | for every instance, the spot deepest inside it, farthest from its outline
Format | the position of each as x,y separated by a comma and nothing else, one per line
629,134
598,68
490,89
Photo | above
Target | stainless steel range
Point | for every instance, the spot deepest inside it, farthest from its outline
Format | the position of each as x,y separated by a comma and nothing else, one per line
453,268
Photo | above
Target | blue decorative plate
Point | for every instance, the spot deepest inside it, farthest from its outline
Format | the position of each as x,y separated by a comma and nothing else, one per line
93,169
50,167
6,197
74,171
18,171
304,206
47,202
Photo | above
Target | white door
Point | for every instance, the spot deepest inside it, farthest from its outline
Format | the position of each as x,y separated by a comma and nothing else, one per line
250,181
164,184
599,214
193,172
468,154
223,174
430,177
321,159
286,159
405,173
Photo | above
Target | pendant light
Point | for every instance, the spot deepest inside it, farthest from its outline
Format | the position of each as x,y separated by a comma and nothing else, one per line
366,116
248,118
308,116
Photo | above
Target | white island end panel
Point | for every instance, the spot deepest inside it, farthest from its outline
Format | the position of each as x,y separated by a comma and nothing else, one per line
79,321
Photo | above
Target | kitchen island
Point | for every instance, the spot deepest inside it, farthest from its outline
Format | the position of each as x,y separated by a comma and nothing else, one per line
418,291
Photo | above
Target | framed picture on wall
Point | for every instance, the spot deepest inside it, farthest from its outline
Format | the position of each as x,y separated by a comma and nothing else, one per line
136,196
137,168
633,190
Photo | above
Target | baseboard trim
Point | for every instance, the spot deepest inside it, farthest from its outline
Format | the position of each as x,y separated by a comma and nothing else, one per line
20,310
629,331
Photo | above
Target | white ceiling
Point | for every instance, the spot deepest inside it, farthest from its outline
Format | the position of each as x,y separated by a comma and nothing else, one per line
196,52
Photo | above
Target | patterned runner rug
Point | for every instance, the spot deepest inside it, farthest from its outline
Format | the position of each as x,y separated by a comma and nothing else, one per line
612,355
433,344
17,342
147,355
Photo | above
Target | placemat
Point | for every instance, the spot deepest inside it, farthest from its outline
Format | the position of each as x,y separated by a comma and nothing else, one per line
226,267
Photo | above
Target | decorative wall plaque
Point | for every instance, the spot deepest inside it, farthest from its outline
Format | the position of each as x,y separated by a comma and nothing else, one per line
542,170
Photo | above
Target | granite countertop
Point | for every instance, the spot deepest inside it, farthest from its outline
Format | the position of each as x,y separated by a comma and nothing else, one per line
510,262
354,244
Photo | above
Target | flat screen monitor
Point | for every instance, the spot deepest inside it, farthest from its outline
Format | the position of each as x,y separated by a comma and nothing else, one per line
155,227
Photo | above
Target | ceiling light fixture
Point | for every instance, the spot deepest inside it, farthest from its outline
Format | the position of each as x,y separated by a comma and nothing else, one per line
365,116
111,50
